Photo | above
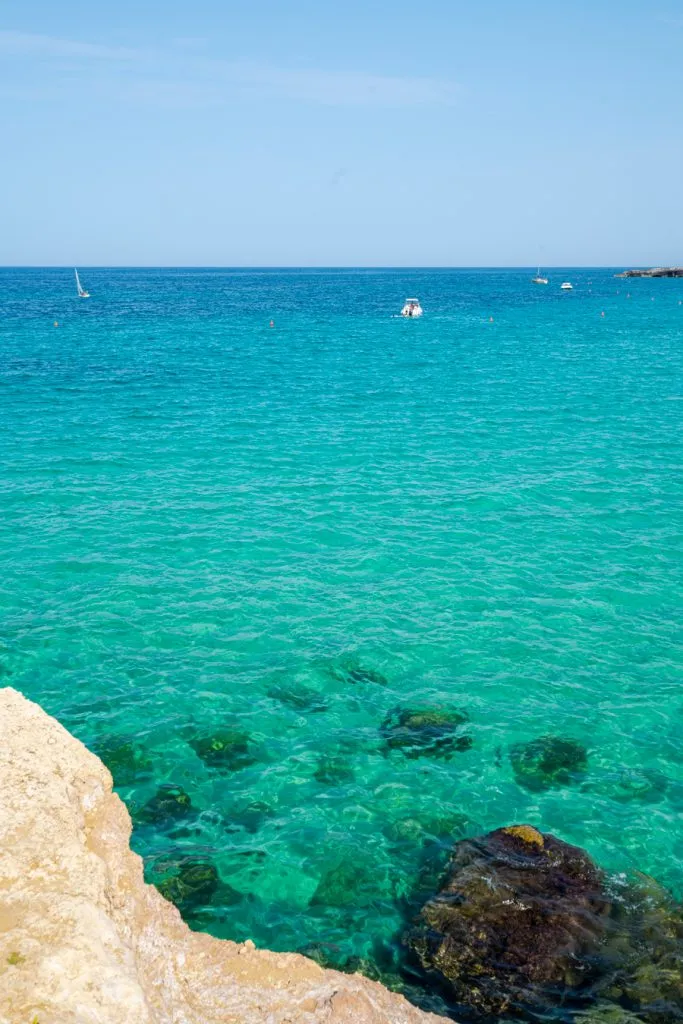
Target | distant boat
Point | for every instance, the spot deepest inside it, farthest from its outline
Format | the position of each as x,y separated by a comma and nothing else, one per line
412,308
538,279
566,286
82,294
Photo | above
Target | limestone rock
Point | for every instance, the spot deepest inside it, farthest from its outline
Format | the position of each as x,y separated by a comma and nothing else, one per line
83,940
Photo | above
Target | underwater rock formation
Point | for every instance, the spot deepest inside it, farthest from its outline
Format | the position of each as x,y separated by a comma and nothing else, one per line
548,761
228,749
433,732
298,697
517,923
525,924
348,669
169,804
333,770
84,939
126,760
194,884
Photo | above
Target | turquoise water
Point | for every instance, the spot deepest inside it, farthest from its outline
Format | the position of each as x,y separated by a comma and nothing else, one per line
206,523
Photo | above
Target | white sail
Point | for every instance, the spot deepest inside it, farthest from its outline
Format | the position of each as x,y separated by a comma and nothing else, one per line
82,294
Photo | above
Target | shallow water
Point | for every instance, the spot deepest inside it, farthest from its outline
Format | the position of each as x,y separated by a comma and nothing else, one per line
208,524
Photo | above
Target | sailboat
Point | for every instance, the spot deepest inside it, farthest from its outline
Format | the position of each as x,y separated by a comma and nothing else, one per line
538,279
82,294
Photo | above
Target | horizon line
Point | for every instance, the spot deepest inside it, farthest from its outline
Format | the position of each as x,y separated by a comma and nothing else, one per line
326,266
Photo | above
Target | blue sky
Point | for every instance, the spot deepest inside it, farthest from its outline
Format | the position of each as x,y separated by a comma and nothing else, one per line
492,132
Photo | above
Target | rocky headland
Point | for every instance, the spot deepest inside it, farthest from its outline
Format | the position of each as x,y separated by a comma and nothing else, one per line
83,939
653,272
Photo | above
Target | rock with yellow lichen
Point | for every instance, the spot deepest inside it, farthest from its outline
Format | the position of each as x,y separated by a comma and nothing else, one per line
517,925
83,939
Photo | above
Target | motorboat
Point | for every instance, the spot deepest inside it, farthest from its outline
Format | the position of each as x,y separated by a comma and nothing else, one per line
412,308
566,286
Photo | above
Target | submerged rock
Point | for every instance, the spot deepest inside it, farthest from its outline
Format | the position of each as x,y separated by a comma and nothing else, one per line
435,732
349,669
298,697
127,761
642,785
518,922
548,761
227,749
333,770
169,803
252,816
195,883
352,880
426,828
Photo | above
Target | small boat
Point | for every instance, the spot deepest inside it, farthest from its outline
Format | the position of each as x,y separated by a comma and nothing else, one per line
538,279
82,294
566,286
412,307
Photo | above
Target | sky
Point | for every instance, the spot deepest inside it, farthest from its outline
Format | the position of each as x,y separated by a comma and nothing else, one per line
362,133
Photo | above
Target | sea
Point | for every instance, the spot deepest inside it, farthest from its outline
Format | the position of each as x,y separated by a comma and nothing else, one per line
234,553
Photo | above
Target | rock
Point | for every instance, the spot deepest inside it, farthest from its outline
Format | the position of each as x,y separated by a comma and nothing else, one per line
349,669
548,761
169,803
517,924
352,880
195,884
642,785
298,697
89,941
434,732
653,272
126,760
252,816
227,749
426,828
333,770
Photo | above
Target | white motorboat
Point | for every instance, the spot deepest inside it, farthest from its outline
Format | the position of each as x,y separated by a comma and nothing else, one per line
566,286
538,279
412,308
82,294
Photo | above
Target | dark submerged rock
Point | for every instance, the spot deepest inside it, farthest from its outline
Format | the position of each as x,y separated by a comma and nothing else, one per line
334,770
127,761
517,924
228,749
433,732
169,803
643,785
352,880
252,816
548,761
349,669
326,954
298,697
195,884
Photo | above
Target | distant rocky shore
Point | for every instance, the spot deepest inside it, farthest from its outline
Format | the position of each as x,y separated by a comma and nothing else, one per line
653,272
